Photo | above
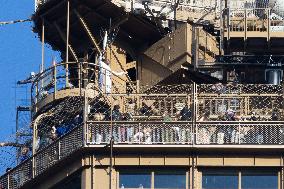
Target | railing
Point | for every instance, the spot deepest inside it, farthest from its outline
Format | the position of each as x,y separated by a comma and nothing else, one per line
255,20
217,133
140,133
215,98
209,102
71,75
192,115
185,133
43,159
241,133
251,59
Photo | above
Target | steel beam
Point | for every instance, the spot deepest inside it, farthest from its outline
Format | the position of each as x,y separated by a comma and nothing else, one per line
86,28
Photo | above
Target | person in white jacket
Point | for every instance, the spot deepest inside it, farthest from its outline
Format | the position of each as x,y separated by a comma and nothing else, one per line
105,81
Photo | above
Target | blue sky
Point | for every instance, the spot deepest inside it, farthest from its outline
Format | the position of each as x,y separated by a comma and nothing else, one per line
20,53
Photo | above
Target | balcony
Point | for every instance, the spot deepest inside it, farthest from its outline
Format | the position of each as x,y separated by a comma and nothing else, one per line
146,134
255,22
191,116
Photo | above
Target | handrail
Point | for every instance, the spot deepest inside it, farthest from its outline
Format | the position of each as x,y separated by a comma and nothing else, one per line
47,82
146,133
20,174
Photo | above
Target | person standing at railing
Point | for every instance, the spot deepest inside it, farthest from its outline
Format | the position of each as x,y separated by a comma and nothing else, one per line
24,154
148,135
185,114
24,173
274,115
167,117
130,110
52,136
205,116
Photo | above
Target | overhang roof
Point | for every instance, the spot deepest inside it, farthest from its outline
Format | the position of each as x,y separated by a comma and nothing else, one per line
136,32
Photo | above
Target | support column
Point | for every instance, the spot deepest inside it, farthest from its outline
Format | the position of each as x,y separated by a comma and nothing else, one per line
85,119
87,178
195,176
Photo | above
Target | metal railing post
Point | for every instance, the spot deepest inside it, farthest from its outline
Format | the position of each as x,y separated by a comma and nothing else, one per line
8,181
85,118
239,130
59,150
55,81
268,28
139,131
245,28
80,77
67,44
34,167
194,112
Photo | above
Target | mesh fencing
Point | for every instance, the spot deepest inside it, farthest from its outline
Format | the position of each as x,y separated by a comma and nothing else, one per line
256,20
59,149
250,133
220,102
43,159
4,181
140,133
21,175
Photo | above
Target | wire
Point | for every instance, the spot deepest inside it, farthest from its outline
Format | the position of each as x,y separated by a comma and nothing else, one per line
14,22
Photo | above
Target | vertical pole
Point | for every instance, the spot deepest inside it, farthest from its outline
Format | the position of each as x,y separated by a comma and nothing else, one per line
111,131
139,131
193,170
59,150
228,30
42,49
240,180
194,114
37,96
17,137
111,147
67,43
239,130
196,47
8,180
245,29
80,77
268,28
55,80
221,45
152,180
282,175
137,98
85,119
34,150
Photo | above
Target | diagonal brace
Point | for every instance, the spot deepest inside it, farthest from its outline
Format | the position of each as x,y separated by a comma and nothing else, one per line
83,23
64,39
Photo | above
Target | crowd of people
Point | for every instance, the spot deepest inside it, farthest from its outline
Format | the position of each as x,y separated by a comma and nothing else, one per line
46,138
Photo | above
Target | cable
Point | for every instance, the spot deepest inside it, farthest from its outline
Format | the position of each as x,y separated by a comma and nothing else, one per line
14,22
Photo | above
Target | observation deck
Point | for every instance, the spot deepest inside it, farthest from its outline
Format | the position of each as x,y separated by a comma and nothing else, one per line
186,117
250,28
191,117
